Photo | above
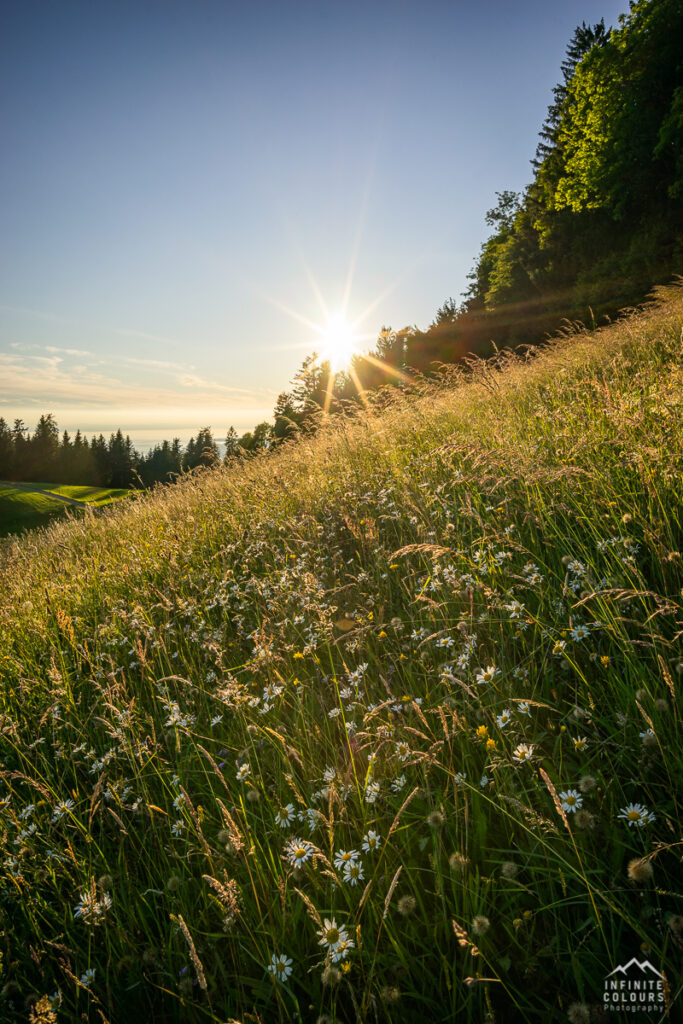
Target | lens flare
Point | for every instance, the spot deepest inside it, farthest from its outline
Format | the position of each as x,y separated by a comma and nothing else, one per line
338,343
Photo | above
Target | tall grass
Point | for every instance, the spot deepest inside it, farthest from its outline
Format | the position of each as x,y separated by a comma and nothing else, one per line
381,727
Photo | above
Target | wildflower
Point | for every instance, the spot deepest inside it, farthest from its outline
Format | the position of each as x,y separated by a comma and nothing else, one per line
341,952
486,675
344,857
406,905
559,647
216,719
398,783
580,632
480,925
503,718
284,816
62,808
636,814
484,781
177,828
459,778
482,732
331,935
580,743
179,801
491,744
640,870
90,909
242,772
402,750
371,841
571,800
88,977
523,752
280,966
334,713
298,851
353,872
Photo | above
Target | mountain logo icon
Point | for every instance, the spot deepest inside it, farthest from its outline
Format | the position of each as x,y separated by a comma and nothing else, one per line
643,966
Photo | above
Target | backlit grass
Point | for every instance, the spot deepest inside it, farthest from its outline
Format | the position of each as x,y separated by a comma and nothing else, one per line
382,727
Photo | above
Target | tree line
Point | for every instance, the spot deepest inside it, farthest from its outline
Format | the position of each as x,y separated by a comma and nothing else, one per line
48,456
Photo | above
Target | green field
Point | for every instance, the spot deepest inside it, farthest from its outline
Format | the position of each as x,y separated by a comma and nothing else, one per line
383,726
21,509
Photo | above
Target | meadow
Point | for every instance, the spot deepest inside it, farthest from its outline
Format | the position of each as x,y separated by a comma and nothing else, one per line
23,508
383,726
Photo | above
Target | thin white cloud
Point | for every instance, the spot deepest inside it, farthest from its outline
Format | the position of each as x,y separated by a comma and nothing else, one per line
68,351
42,381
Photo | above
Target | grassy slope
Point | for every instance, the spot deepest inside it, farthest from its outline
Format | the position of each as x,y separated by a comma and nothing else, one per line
21,510
184,671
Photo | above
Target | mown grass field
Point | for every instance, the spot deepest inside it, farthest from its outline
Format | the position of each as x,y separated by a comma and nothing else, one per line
385,726
21,510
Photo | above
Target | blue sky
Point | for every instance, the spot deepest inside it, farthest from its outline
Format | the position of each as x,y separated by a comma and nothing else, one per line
186,187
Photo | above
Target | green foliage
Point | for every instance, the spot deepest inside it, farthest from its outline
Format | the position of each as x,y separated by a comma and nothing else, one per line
602,220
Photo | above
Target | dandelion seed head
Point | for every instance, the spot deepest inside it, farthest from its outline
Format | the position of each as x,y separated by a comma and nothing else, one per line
331,976
480,925
406,905
390,994
579,1013
458,862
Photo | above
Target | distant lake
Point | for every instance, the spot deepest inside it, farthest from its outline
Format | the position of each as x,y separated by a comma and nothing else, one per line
143,444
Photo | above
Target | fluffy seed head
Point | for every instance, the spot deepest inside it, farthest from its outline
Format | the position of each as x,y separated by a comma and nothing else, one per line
587,783
579,1013
435,819
480,925
406,905
458,862
331,976
640,871
390,994
509,869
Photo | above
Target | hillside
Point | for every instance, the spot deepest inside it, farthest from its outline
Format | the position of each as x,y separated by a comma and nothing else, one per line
24,506
384,726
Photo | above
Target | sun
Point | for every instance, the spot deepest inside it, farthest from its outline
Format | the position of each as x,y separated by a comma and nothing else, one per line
338,342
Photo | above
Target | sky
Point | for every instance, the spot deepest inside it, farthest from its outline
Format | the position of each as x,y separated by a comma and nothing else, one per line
189,189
